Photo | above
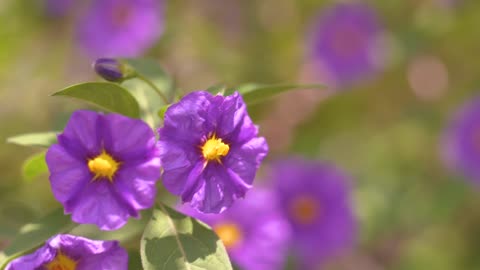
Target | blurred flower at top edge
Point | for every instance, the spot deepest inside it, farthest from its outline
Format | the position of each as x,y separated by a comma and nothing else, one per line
119,28
461,143
315,198
343,43
58,8
253,231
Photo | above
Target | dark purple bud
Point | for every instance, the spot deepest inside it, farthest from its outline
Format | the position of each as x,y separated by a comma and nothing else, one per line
110,69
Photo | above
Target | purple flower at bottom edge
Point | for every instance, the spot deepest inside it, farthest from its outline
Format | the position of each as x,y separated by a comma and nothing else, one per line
342,41
210,151
315,199
71,252
120,28
461,146
253,231
104,168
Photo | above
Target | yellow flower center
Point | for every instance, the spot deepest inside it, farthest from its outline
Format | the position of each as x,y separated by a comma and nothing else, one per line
229,233
103,166
304,210
61,262
214,149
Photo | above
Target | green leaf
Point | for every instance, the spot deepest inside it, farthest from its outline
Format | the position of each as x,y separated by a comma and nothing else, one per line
149,101
34,234
218,88
34,166
108,96
253,93
42,139
162,111
174,241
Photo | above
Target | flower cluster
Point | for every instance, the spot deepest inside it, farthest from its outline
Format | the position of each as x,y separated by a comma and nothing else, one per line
308,209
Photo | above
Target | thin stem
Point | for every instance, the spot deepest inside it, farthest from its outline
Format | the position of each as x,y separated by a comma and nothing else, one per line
154,87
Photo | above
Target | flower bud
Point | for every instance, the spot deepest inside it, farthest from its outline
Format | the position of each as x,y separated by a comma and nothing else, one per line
110,69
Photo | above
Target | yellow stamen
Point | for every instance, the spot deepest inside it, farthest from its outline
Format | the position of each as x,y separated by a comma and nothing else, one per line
61,262
214,149
304,210
229,233
103,166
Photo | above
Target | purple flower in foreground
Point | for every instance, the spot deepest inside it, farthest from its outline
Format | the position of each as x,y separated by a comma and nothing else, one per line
253,231
210,151
69,252
343,39
104,168
315,198
462,141
120,28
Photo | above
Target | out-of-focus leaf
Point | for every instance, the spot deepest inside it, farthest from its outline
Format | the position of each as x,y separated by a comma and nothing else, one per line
149,101
218,88
34,166
162,111
253,93
134,260
42,139
108,96
174,241
36,233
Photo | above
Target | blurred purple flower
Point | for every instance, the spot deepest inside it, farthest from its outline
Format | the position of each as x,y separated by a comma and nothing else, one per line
120,28
343,40
315,198
58,8
104,168
254,231
210,151
69,252
462,141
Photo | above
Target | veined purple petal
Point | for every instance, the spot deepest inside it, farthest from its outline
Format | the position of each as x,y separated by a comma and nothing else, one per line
210,184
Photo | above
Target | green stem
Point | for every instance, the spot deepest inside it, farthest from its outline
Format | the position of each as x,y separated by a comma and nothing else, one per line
154,87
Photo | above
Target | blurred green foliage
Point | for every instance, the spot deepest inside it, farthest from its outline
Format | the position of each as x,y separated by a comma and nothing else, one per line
414,212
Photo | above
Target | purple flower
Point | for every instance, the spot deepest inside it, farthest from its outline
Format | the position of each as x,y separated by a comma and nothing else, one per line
462,141
343,39
210,151
58,8
104,168
315,199
253,230
69,252
120,28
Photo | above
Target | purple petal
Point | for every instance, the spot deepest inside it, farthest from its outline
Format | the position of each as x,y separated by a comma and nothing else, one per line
81,134
99,204
67,174
137,185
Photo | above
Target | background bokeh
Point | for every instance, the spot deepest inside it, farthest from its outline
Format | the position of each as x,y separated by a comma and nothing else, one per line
385,132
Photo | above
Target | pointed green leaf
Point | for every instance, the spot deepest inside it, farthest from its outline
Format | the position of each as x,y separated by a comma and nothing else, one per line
42,139
108,96
34,166
174,241
36,233
253,93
